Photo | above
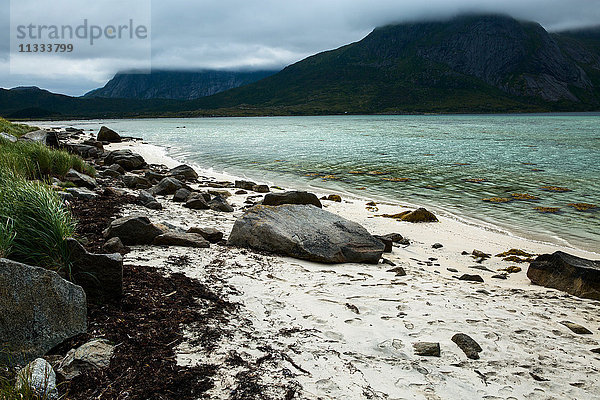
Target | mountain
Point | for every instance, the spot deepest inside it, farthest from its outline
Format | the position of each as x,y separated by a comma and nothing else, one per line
469,64
182,85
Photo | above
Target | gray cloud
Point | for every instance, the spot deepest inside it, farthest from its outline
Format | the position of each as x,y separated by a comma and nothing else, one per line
238,34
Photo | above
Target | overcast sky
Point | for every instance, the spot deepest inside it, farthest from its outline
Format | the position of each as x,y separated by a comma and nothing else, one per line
240,34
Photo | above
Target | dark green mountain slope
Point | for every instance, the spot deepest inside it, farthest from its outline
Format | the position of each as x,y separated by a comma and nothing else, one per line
32,102
474,63
182,85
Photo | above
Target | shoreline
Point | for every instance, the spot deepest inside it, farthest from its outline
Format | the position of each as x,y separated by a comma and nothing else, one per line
160,155
567,228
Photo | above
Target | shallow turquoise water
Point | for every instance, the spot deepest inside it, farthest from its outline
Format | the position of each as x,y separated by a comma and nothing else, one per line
512,153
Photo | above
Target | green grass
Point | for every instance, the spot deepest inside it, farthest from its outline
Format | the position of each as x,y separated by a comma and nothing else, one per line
37,161
7,236
40,223
15,129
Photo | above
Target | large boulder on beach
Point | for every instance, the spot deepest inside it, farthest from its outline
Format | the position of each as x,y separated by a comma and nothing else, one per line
8,137
134,181
108,135
100,275
181,239
91,356
133,230
218,203
183,172
167,186
81,180
38,310
292,197
37,378
83,150
125,158
575,275
305,232
39,136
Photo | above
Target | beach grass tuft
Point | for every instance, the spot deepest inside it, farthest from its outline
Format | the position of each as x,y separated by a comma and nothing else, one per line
35,222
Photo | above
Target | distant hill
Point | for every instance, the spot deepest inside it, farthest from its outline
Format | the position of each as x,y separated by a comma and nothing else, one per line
182,85
469,64
35,103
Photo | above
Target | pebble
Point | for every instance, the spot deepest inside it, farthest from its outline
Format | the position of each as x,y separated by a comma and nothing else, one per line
576,328
427,349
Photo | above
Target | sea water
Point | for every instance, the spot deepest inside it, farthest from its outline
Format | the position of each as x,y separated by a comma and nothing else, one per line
449,163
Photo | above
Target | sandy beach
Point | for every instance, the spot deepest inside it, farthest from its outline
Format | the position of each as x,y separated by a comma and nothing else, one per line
347,330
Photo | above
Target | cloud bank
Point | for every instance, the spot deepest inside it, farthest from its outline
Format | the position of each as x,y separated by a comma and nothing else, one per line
262,34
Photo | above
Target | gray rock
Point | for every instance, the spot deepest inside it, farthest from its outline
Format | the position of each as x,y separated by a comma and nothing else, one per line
181,195
82,193
387,242
136,182
196,202
80,179
181,239
65,196
261,188
397,238
469,346
220,204
133,230
93,355
211,234
38,310
427,349
39,377
219,192
114,245
108,135
100,275
167,186
95,143
292,197
110,173
246,185
8,137
471,278
576,328
437,245
184,172
117,168
399,271
147,200
39,136
125,158
577,276
154,177
84,150
305,232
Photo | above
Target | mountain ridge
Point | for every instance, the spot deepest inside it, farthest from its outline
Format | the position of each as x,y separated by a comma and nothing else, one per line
175,84
469,64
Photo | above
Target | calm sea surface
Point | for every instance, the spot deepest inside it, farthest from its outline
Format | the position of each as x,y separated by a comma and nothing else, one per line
426,160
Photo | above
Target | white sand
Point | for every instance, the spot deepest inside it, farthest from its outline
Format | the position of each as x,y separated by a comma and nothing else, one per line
299,311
